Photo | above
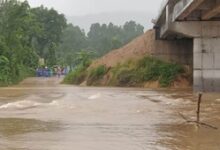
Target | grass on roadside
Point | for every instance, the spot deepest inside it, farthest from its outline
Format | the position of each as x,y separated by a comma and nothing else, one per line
130,73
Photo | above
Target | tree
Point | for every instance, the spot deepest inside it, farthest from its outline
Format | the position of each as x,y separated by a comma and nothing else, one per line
116,43
84,58
5,69
15,30
51,26
103,38
25,35
132,30
73,39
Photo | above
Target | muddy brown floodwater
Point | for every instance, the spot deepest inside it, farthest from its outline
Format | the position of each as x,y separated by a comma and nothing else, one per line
40,114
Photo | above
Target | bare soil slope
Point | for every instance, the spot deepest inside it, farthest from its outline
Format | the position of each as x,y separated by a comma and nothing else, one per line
142,45
179,51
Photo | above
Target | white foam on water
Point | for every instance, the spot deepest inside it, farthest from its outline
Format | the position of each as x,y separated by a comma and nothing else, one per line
20,105
170,101
26,104
54,103
217,100
96,96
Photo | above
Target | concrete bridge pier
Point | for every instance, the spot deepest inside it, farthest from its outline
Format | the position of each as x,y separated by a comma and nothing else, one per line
206,64
198,20
206,52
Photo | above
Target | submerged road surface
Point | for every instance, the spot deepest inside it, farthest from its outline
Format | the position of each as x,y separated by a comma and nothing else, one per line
40,114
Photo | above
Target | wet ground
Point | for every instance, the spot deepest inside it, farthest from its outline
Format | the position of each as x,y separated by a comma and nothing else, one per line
40,114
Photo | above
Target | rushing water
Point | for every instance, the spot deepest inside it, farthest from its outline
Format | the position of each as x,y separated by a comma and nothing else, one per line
40,114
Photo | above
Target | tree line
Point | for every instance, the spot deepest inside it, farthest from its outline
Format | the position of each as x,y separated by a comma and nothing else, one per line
100,39
28,34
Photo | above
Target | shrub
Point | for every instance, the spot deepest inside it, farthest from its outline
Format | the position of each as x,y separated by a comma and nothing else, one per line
159,70
168,73
127,77
147,69
5,70
77,76
99,71
24,72
96,74
10,75
131,73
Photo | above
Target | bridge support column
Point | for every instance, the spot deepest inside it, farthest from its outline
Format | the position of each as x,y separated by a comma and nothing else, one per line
207,64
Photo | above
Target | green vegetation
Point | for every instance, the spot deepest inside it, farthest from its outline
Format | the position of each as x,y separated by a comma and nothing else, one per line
103,38
147,69
26,34
48,28
76,76
131,73
79,73
100,40
96,74
29,34
73,41
5,70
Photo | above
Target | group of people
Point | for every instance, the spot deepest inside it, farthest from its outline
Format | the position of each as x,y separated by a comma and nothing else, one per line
52,71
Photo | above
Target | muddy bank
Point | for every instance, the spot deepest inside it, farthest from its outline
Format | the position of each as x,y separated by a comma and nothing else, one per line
147,72
120,67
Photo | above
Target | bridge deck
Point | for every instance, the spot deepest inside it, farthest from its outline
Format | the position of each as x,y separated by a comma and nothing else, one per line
186,10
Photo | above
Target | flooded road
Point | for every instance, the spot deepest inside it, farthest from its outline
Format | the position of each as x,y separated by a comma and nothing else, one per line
40,114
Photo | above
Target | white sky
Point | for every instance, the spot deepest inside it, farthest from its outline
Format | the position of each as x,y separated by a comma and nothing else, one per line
85,7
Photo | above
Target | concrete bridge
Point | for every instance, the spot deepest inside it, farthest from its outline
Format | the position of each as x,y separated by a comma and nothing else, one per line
198,20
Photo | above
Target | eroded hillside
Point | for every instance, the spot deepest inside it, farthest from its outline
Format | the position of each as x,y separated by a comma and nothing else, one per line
144,62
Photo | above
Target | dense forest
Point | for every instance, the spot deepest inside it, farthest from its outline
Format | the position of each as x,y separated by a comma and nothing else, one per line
28,34
25,36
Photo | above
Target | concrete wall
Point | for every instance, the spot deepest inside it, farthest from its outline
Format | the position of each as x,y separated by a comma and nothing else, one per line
177,51
207,64
206,35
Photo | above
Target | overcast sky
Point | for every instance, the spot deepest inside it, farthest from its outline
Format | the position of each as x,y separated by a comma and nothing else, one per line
85,7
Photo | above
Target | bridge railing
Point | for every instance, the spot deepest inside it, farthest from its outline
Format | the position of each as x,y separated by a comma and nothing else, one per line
162,7
169,12
168,19
180,7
